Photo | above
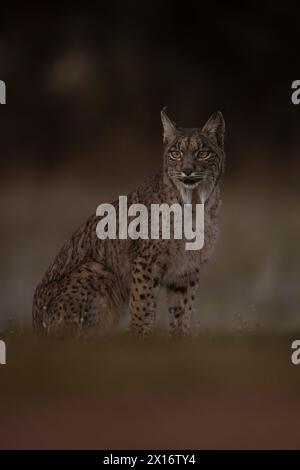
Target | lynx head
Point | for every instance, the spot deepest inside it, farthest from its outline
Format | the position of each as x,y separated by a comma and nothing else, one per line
194,158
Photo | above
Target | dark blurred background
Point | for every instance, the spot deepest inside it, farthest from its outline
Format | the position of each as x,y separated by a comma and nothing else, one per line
85,86
79,77
81,126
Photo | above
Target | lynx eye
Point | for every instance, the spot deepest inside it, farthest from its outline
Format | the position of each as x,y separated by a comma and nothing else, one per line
175,155
203,154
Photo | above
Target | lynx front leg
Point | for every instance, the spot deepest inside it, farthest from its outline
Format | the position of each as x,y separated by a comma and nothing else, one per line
181,302
143,298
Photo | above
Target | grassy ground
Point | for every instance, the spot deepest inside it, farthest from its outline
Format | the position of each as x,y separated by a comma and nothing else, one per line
225,391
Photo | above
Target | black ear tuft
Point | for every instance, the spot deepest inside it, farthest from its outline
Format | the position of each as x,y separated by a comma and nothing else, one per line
215,126
169,127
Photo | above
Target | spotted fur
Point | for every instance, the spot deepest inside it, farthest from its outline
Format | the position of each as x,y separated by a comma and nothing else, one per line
91,282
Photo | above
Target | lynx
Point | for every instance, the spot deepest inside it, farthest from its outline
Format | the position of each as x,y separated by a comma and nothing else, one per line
92,282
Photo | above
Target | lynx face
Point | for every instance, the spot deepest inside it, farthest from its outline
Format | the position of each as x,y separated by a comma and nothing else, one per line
194,158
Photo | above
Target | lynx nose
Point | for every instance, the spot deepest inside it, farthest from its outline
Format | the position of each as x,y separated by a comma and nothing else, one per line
187,171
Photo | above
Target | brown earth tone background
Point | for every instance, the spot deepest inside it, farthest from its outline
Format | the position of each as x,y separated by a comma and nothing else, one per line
81,126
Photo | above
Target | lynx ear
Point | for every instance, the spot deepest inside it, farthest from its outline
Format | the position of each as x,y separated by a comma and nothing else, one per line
215,127
169,127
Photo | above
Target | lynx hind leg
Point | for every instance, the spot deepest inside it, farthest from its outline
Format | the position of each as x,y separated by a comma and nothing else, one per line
86,302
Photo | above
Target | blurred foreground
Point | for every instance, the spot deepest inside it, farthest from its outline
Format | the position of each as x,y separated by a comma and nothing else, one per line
229,391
